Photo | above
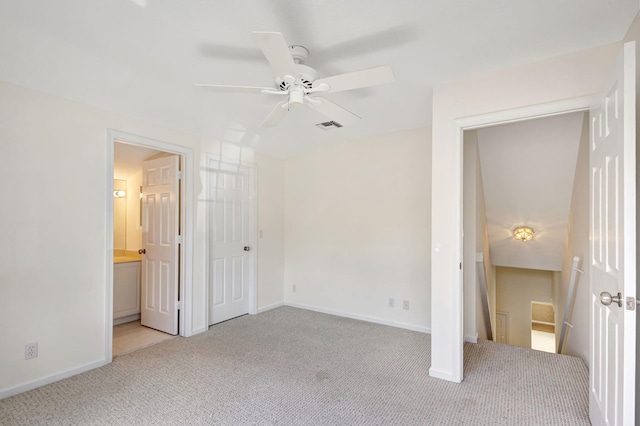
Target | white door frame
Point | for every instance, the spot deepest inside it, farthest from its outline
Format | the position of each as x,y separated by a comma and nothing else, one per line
186,225
253,230
477,122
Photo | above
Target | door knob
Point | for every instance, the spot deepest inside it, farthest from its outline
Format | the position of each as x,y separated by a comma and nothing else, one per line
606,298
247,248
142,251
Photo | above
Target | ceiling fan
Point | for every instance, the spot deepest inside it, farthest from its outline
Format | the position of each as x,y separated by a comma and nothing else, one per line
299,83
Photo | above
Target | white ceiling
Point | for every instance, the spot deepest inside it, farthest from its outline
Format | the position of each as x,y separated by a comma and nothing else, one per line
127,159
528,172
141,57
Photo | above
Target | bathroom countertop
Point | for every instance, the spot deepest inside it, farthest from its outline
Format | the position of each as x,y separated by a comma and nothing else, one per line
125,259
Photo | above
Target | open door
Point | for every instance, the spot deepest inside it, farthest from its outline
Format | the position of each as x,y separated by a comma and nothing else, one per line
613,247
159,276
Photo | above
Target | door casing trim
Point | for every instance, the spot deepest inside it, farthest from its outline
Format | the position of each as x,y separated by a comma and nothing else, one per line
186,219
456,330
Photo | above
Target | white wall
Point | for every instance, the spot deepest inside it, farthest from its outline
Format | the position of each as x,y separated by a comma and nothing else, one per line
134,228
119,216
560,78
475,241
577,341
470,276
53,220
271,225
356,228
516,288
482,246
556,291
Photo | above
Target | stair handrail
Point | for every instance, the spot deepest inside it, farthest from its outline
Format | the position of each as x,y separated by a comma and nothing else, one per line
570,297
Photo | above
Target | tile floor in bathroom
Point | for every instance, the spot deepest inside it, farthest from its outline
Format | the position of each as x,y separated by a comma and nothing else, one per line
132,336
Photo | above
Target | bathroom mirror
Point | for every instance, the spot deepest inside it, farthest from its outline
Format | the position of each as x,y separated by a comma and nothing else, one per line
119,214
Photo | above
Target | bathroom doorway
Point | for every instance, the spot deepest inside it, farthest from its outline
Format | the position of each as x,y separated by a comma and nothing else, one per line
148,279
132,336
129,333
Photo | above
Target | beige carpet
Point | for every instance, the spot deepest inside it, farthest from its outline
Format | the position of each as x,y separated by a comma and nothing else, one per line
294,367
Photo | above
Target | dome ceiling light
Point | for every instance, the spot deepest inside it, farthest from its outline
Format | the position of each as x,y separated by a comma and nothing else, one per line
523,233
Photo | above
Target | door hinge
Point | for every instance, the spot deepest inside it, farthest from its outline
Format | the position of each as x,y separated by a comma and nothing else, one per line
178,305
179,239
179,174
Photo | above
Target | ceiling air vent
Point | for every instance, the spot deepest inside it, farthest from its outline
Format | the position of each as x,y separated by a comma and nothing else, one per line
327,125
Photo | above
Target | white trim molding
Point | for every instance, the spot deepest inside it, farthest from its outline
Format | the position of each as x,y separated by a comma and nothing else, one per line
374,320
471,339
269,307
523,114
444,375
24,387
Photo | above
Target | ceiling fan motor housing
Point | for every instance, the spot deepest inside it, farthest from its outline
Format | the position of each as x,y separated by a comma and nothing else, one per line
300,54
306,77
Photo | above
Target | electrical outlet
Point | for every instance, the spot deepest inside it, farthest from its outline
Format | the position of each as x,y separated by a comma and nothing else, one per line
405,305
293,288
31,350
391,302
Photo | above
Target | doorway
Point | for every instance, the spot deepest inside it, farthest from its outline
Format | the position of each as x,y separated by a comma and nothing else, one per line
543,327
131,332
522,174
127,263
616,98
502,327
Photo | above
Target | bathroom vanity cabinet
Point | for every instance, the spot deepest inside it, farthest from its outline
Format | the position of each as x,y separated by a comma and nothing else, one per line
126,289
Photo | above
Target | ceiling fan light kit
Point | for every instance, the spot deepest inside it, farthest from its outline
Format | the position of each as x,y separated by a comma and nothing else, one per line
296,96
300,83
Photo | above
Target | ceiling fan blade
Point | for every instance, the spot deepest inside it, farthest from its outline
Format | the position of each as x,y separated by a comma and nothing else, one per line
275,117
277,52
333,111
358,79
235,89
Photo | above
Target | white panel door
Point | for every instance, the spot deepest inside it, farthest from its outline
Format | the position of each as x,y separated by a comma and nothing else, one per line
231,254
613,247
159,275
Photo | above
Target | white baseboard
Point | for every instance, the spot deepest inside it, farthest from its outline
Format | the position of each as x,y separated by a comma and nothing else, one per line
24,387
198,331
129,318
269,307
471,339
444,375
397,324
